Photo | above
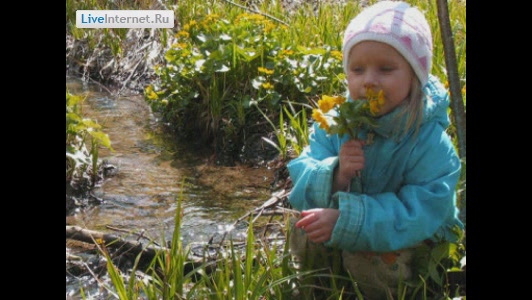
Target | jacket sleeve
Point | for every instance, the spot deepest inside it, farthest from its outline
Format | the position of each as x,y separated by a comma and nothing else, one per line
422,207
312,172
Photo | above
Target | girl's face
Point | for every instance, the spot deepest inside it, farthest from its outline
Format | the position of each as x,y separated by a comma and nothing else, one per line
379,66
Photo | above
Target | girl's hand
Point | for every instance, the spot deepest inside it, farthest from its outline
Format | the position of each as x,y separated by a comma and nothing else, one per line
350,161
318,223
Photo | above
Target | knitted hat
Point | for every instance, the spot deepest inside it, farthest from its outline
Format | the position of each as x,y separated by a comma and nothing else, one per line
397,24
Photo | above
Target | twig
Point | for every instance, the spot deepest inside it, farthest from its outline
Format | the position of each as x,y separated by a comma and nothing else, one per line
261,210
139,235
129,77
99,84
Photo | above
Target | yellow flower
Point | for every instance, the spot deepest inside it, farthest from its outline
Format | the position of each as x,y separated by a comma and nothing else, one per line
375,103
338,100
336,54
320,118
350,116
190,24
267,85
182,33
150,94
179,45
326,103
265,71
268,26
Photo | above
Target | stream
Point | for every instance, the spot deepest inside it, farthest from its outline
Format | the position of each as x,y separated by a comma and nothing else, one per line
153,169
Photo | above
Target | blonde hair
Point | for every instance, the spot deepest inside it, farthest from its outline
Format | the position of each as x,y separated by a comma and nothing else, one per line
412,107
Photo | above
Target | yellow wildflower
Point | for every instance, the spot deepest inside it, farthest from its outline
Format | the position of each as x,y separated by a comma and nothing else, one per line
336,54
284,53
182,33
150,94
375,103
350,115
318,116
338,100
265,71
326,103
212,16
268,27
267,85
179,45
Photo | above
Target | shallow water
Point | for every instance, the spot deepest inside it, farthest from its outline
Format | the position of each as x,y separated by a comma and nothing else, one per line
154,169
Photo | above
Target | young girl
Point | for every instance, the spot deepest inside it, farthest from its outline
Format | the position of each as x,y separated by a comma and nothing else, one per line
409,167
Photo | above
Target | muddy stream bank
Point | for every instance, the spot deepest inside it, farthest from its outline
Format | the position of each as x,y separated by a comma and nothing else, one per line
152,169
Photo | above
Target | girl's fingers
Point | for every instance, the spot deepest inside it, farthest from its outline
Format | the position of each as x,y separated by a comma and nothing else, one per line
306,219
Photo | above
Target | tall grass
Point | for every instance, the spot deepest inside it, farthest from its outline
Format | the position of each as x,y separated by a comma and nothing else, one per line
261,269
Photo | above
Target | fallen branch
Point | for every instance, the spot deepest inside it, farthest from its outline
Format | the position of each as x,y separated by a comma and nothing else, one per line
148,251
147,254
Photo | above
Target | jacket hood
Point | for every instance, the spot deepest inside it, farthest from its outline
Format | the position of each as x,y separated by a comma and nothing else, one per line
435,102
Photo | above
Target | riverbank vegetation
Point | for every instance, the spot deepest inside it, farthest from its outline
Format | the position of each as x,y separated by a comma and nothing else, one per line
84,137
241,77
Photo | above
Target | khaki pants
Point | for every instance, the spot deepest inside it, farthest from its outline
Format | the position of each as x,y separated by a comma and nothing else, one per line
377,275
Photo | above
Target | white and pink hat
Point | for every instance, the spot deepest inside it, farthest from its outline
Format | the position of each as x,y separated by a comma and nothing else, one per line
397,24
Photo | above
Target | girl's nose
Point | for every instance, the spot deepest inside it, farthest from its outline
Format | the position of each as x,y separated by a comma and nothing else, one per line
370,80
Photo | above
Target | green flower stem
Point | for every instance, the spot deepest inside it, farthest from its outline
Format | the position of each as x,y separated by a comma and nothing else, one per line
357,186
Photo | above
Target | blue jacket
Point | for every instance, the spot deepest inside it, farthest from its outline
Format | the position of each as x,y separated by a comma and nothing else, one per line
409,182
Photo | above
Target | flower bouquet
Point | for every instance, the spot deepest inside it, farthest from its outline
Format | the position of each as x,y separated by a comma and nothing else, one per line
350,116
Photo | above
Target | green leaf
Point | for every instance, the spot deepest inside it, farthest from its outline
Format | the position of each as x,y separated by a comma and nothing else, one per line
247,101
314,51
198,65
222,68
202,37
225,37
435,274
90,124
171,55
101,138
248,54
440,251
72,100
257,82
73,117
267,140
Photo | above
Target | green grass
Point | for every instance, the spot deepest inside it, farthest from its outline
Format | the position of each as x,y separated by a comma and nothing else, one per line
261,269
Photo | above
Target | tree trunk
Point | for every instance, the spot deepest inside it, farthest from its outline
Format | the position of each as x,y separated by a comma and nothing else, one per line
457,103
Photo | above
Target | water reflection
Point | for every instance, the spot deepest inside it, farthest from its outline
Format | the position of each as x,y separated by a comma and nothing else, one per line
154,169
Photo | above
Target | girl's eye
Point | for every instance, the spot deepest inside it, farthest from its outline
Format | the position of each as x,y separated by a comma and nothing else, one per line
357,70
386,69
